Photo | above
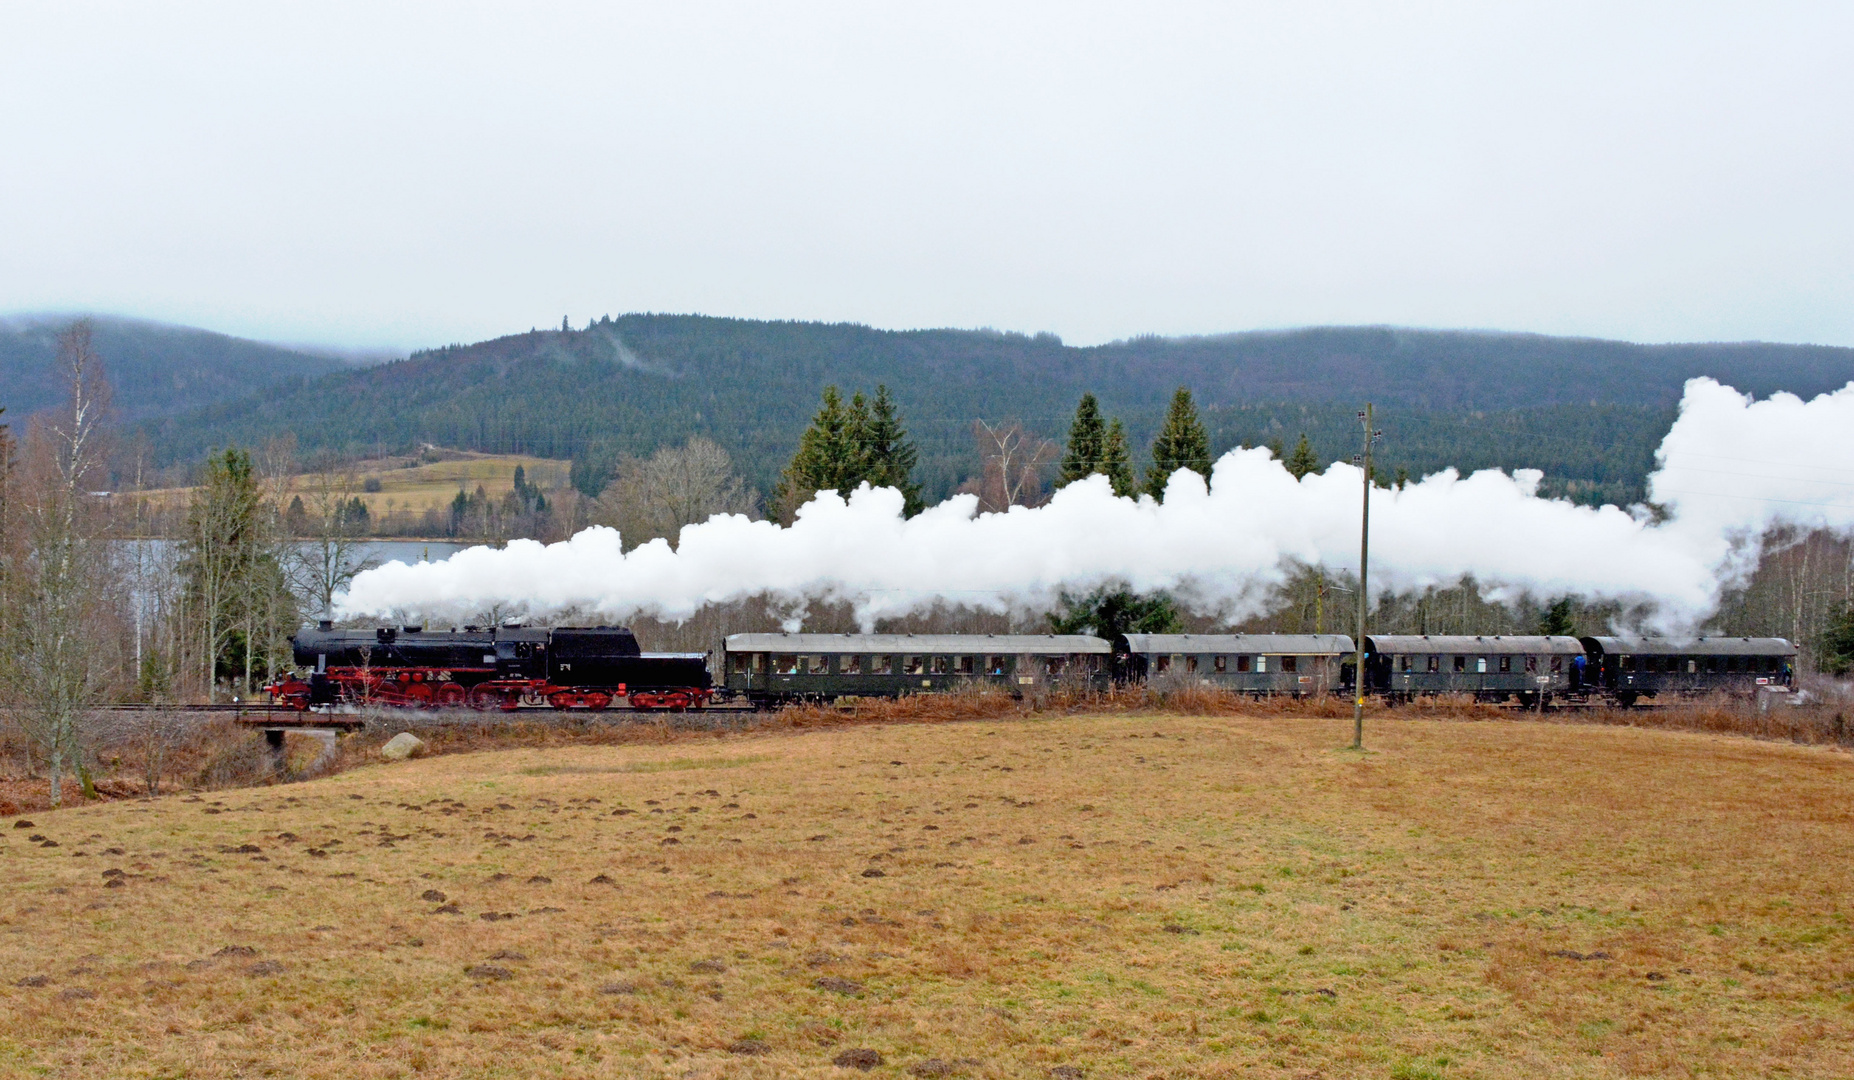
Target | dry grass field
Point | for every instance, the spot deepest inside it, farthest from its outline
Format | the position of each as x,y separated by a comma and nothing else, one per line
414,488
1130,894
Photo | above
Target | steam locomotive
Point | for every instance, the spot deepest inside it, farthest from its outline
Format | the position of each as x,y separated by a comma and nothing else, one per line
489,667
595,667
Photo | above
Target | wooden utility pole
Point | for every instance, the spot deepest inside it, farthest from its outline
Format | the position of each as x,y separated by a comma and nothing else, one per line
1364,591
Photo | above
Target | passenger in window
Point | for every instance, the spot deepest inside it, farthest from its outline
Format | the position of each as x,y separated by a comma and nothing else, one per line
914,665
1165,664
1190,663
850,665
1220,665
1532,664
1506,664
785,664
1435,665
994,665
820,665
1461,663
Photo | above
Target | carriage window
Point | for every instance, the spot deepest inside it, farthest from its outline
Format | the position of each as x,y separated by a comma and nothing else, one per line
1242,664
738,663
1770,663
1165,663
759,662
913,665
1220,665
1506,663
1532,664
850,665
942,665
1403,663
1190,663
1290,663
881,665
1053,665
1461,663
964,665
1480,664
820,665
1435,664
994,665
785,664
1261,663
1712,664
1731,663
1557,664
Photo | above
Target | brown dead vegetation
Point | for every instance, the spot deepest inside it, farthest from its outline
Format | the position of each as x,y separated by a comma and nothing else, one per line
1121,892
218,754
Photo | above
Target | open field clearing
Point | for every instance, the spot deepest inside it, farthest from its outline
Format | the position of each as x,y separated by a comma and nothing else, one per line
1115,895
418,487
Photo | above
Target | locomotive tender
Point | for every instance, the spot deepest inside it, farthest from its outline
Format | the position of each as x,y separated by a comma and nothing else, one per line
596,667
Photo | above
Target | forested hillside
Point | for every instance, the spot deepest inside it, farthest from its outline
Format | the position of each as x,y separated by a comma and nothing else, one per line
155,369
1587,412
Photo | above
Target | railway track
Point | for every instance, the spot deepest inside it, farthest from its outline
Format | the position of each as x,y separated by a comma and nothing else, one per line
262,709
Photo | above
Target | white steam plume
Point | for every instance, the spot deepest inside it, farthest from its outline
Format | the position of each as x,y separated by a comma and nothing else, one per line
1729,469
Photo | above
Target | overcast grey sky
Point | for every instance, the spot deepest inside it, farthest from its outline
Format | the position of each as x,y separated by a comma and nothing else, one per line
398,174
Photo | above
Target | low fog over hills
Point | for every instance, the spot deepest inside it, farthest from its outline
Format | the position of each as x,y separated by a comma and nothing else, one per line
155,369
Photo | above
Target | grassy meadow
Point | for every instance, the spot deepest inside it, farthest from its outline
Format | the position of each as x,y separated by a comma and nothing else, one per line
407,485
1135,894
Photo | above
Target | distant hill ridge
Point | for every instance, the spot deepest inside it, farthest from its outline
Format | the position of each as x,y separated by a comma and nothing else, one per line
154,369
1588,412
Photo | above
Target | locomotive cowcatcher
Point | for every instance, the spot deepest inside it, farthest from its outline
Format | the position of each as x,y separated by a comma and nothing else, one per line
580,667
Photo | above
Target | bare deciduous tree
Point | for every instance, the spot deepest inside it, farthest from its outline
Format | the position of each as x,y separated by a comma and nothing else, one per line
56,648
324,561
1012,463
675,486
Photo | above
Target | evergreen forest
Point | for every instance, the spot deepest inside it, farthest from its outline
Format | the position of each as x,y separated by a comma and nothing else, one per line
1587,413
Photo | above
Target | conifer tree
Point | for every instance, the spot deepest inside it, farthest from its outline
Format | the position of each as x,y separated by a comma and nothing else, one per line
1087,447
1182,444
829,453
1835,651
1301,461
847,445
888,456
1117,461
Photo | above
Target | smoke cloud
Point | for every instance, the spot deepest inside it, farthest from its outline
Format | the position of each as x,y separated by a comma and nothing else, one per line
1729,469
